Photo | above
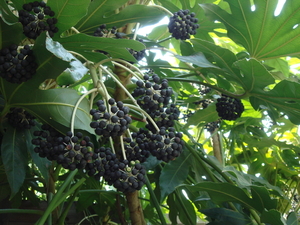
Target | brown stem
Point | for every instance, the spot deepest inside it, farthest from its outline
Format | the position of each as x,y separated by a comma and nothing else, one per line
135,209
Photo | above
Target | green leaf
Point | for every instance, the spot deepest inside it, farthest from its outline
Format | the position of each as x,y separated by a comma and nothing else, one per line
159,33
117,48
174,173
68,12
223,58
275,36
254,75
6,14
55,106
226,216
279,65
287,101
77,70
14,157
206,115
262,199
292,219
96,13
223,192
272,217
131,14
10,34
197,59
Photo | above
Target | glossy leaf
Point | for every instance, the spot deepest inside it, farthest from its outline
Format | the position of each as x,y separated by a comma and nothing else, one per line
10,34
276,35
68,12
226,216
174,173
14,157
55,106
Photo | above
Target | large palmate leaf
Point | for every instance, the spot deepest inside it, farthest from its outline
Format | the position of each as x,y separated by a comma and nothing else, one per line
262,33
174,173
272,217
284,97
14,157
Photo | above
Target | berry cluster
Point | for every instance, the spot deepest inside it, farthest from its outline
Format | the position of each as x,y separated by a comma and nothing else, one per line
164,144
126,176
110,121
76,151
36,17
153,95
20,118
183,24
229,108
17,67
102,31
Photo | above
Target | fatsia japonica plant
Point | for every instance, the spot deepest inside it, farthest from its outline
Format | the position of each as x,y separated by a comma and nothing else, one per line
150,112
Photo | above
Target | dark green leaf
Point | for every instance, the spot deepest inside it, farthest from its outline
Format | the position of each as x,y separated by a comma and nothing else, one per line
174,173
262,199
226,216
272,217
276,36
14,157
55,106
223,192
10,34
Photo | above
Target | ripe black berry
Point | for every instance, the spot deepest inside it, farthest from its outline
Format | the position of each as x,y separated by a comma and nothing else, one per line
229,108
20,118
111,120
36,18
183,24
17,67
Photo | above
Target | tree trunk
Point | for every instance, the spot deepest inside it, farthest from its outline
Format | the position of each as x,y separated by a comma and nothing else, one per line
135,208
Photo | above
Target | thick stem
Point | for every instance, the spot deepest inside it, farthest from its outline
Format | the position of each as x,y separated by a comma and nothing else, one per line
217,146
135,208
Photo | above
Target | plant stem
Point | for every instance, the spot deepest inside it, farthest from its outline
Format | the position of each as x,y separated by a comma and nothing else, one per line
155,202
25,211
135,208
